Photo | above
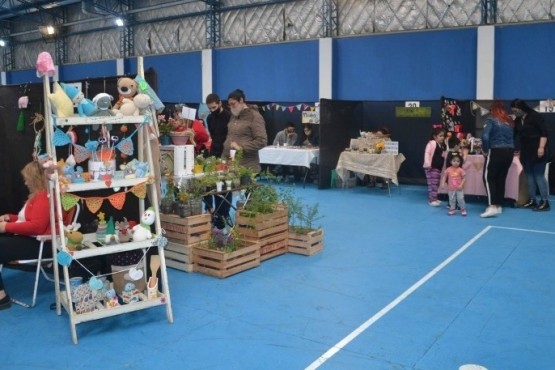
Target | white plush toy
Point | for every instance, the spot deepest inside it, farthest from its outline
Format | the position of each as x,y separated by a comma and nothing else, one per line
141,232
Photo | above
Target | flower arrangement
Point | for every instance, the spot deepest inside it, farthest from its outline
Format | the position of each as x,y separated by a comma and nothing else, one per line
164,125
380,145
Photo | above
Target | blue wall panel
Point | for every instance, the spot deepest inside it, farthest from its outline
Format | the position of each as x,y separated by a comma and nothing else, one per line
22,77
525,61
407,66
285,72
73,72
179,76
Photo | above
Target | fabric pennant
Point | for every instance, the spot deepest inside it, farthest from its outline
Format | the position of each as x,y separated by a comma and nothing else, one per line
93,204
291,109
60,138
139,190
69,201
125,146
117,200
80,153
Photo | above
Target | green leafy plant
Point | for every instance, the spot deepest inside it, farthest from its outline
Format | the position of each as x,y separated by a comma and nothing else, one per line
262,199
302,217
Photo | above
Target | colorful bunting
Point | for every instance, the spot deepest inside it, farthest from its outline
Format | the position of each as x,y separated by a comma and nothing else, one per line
93,204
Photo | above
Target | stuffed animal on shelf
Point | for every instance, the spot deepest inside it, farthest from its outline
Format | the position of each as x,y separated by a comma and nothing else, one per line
73,236
133,107
111,299
127,89
141,232
85,107
123,230
103,103
130,294
61,103
111,234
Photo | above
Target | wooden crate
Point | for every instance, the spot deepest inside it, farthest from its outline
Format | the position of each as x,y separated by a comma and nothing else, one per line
223,264
179,256
306,244
188,230
270,230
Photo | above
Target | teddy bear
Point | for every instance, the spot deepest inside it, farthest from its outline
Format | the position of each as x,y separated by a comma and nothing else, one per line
133,107
127,89
85,107
103,103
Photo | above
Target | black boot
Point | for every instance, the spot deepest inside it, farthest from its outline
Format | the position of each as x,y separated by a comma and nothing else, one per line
530,204
544,206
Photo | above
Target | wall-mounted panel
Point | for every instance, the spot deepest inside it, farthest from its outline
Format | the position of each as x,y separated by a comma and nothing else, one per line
72,72
277,72
524,61
406,66
179,76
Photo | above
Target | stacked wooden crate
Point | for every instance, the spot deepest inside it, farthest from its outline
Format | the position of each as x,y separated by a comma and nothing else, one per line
183,234
222,264
270,230
306,244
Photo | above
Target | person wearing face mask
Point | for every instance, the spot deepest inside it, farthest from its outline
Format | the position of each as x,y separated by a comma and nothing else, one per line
309,137
531,134
217,120
246,131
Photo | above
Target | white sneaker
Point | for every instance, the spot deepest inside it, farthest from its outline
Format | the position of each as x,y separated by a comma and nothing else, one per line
489,212
435,203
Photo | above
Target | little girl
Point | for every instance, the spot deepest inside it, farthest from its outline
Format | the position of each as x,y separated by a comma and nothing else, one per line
434,158
454,179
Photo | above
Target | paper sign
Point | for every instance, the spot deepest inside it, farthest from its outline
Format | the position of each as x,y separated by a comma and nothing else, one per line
188,113
311,117
547,106
391,147
412,104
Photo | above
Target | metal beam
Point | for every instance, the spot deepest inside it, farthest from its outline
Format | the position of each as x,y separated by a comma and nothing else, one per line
329,18
213,28
489,11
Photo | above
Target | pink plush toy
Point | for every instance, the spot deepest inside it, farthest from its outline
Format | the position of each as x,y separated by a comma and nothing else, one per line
45,65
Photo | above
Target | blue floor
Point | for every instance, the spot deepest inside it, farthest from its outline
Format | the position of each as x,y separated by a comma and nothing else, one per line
399,285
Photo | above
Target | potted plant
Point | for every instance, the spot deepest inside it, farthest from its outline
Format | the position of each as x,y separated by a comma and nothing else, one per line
304,236
165,128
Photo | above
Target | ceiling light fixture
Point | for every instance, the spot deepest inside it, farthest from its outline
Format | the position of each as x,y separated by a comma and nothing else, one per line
50,30
119,22
2,43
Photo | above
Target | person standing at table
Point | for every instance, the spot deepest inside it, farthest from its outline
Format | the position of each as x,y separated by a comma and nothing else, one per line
434,160
217,121
498,148
246,131
531,133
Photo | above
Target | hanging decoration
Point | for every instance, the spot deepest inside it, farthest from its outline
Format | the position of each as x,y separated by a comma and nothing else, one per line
291,108
451,115
37,145
126,144
93,204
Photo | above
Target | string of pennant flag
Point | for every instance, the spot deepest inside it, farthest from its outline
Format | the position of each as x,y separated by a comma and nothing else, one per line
94,203
290,108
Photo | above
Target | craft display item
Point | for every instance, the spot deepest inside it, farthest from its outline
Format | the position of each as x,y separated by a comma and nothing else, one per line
142,231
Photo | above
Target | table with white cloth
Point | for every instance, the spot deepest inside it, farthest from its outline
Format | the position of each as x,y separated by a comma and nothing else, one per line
289,156
474,183
380,165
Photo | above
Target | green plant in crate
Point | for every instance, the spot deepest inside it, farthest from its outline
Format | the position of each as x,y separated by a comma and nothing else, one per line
262,199
302,217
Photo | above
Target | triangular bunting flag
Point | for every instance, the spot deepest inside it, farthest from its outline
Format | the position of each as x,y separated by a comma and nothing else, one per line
277,106
291,109
93,204
69,200
117,200
305,106
299,106
139,190
283,108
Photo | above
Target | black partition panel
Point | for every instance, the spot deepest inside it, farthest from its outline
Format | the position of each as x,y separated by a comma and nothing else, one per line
339,122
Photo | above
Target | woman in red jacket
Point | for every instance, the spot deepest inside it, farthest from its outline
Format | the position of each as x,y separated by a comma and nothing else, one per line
33,219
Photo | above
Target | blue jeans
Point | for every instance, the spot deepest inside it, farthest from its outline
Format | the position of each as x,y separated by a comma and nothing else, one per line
535,179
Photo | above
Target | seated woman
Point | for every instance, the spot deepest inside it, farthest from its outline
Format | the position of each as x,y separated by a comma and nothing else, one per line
32,220
309,137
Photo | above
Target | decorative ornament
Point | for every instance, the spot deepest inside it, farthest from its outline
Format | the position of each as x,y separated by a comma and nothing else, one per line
162,241
60,138
64,258
95,283
20,122
135,274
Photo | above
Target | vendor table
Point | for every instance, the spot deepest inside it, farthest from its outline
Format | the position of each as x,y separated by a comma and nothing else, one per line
289,156
474,183
380,165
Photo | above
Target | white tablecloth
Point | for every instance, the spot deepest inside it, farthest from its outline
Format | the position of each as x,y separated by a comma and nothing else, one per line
380,165
289,156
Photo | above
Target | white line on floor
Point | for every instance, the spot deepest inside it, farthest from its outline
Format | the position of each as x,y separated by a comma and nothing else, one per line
526,230
342,343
